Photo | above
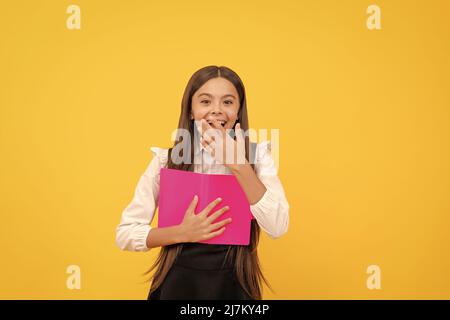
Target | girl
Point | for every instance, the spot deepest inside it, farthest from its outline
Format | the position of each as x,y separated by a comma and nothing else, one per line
185,268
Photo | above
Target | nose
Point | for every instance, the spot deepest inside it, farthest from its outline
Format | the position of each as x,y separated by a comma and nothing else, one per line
216,109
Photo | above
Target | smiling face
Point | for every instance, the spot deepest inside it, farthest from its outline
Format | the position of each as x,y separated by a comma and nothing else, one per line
216,99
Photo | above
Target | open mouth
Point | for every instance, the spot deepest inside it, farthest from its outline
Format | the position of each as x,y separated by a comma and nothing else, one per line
221,122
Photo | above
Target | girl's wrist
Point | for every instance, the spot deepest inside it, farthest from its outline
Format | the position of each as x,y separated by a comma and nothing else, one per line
237,168
180,234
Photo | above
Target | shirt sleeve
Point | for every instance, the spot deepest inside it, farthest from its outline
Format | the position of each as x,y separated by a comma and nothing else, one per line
134,226
272,210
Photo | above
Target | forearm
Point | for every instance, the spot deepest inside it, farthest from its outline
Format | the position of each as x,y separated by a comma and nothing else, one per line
253,188
158,237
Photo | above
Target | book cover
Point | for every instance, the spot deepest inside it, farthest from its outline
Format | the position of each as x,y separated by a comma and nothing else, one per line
178,188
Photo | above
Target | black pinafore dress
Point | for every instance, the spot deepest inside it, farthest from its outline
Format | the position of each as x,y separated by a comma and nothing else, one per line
200,272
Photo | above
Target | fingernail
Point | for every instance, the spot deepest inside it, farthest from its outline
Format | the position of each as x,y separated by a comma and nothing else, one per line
195,197
219,199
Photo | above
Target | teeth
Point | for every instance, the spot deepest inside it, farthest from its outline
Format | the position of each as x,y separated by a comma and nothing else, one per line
222,123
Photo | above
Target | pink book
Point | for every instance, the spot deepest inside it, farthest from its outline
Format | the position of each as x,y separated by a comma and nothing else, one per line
178,188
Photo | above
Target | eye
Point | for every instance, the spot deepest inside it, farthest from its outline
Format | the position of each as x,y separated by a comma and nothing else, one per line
204,101
228,102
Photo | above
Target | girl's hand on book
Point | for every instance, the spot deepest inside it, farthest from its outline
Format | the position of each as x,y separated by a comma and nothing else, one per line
200,226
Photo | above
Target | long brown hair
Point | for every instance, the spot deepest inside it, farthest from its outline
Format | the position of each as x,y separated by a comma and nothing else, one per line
247,266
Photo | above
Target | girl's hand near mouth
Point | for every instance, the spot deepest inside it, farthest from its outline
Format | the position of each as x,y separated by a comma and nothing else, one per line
222,147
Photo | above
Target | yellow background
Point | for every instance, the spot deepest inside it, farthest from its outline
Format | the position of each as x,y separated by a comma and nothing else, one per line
364,137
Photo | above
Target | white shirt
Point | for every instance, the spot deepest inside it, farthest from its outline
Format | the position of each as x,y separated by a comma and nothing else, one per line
271,211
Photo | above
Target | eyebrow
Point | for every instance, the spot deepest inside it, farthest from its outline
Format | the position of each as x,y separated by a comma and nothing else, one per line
210,95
